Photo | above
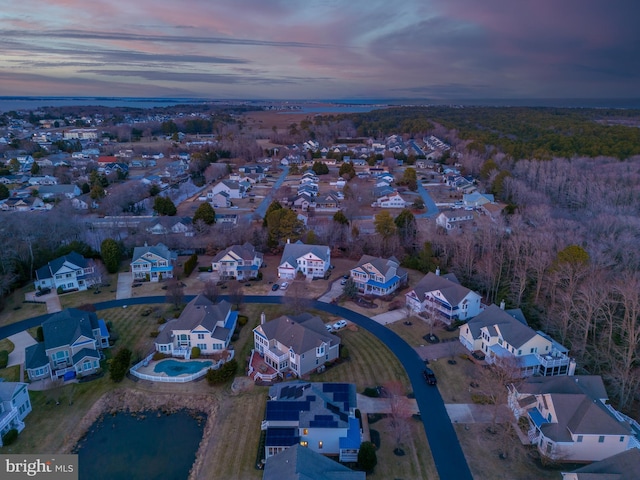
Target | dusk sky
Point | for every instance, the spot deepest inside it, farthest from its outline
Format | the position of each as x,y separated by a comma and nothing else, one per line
334,49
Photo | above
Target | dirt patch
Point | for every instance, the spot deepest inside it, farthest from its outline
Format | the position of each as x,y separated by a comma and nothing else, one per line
242,384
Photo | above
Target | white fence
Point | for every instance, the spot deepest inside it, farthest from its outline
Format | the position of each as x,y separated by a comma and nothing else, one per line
180,379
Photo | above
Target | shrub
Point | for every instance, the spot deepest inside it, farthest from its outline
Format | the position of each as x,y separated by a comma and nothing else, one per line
161,320
59,290
10,437
481,399
371,392
120,364
242,320
223,374
39,334
259,276
159,356
195,352
344,352
190,264
4,358
154,334
367,458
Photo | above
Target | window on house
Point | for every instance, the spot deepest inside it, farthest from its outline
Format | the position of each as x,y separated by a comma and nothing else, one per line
601,439
201,336
305,431
580,438
622,438
320,445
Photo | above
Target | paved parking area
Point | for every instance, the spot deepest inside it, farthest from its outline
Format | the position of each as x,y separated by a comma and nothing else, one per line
124,286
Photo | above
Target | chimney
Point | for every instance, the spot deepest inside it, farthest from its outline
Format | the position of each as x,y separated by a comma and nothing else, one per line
502,305
288,240
438,271
263,318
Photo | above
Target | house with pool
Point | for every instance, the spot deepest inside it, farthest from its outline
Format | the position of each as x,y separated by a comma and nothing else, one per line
201,324
72,342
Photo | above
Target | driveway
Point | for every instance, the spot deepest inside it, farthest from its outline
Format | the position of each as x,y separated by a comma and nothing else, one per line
381,405
334,292
390,317
20,341
124,286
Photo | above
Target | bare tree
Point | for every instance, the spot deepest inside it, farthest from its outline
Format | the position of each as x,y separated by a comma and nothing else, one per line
399,411
210,290
175,292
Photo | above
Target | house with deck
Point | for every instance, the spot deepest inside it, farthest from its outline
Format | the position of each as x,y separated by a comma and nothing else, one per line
203,324
504,334
15,405
152,263
444,297
241,262
378,276
70,272
72,342
317,416
313,261
571,419
297,344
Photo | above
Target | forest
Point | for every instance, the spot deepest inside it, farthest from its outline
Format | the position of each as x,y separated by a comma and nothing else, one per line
566,252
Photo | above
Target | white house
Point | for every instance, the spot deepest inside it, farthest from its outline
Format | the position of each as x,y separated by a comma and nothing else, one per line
46,180
505,334
391,200
318,416
621,466
571,419
70,272
15,405
444,297
153,263
220,199
231,188
53,191
240,262
203,324
378,276
450,220
312,260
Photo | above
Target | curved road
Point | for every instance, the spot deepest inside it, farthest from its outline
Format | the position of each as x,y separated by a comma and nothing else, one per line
445,447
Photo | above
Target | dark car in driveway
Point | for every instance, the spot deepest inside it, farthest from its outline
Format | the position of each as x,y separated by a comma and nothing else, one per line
275,287
429,376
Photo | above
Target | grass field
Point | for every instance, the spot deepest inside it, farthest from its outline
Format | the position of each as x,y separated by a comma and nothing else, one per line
15,309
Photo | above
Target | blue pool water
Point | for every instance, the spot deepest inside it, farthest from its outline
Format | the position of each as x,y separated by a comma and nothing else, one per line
173,368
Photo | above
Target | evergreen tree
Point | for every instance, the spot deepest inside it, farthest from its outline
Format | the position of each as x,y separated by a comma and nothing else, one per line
110,253
206,213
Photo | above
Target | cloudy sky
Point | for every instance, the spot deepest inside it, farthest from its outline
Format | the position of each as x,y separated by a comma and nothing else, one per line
311,49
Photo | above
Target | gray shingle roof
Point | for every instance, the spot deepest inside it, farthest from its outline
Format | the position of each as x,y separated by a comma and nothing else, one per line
245,252
384,266
512,330
160,249
8,390
293,251
54,265
67,326
622,466
301,463
302,333
35,356
452,291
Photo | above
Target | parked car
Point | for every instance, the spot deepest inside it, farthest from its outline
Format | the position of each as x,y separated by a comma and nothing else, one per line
429,376
340,324
275,287
346,276
43,291
284,285
329,328
343,282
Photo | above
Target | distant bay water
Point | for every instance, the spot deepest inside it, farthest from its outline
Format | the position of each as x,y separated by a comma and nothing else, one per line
355,105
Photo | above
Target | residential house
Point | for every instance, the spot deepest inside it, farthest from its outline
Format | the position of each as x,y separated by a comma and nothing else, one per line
72,342
571,419
444,297
227,219
391,200
297,344
328,201
231,188
378,276
310,189
46,180
203,324
240,262
450,220
476,199
501,334
312,260
15,405
167,225
493,210
59,191
318,416
183,225
152,263
24,204
621,466
302,201
79,204
300,463
253,168
66,273
220,199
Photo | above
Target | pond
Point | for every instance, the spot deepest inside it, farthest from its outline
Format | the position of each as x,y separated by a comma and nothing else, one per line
143,446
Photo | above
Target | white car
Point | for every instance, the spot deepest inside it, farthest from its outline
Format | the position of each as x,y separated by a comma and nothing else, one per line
284,285
329,328
340,324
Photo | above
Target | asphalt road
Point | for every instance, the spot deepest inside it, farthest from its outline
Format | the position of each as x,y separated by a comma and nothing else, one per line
445,447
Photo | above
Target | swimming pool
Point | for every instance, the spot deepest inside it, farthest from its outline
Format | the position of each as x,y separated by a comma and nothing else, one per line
173,368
